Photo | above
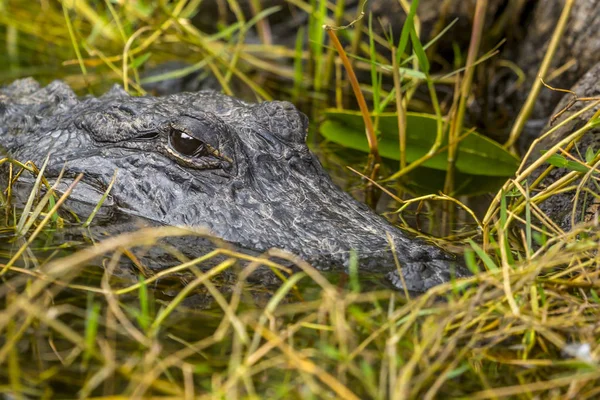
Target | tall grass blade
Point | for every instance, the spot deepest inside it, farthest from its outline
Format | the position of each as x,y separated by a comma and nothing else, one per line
31,198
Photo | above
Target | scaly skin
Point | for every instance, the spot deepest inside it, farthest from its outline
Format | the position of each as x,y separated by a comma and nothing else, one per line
252,182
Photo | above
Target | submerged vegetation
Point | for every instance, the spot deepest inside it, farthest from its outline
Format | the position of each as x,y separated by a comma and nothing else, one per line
85,318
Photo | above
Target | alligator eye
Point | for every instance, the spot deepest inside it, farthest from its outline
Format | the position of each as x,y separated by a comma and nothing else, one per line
185,144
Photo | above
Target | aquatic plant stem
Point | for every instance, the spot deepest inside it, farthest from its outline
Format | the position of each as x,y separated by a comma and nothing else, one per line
465,90
370,131
542,73
399,109
536,164
44,221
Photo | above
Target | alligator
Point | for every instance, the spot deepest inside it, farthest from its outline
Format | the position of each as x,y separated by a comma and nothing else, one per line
241,170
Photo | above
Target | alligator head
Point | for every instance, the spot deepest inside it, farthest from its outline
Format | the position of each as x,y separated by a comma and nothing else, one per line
205,159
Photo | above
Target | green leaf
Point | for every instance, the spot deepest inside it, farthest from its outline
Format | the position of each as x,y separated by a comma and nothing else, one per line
471,262
419,52
559,161
51,204
595,296
375,75
464,367
487,260
540,238
144,315
476,154
353,272
406,28
202,369
91,329
589,154
503,222
138,61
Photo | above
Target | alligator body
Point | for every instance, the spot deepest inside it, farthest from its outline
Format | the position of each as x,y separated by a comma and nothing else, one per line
205,159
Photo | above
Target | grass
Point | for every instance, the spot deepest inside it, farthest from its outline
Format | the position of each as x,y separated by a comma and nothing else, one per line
76,322
523,328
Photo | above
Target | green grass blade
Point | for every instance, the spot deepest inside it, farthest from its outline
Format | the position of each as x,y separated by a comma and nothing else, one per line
406,28
487,260
102,200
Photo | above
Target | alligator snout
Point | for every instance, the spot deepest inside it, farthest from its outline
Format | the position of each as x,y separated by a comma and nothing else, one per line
381,247
421,264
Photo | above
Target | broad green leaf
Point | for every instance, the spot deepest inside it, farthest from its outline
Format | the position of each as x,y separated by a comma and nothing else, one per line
476,154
